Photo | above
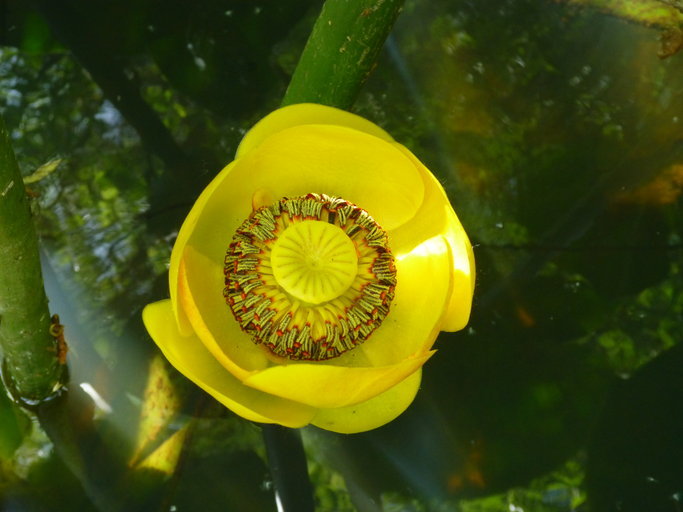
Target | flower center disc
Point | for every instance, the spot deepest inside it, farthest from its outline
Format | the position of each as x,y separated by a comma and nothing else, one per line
314,261
309,277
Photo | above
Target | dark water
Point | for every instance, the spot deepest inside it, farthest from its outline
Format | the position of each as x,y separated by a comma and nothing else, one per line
554,127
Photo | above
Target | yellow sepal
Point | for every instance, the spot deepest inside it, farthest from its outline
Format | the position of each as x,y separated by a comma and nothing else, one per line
327,386
302,114
189,356
436,216
422,290
201,297
372,413
184,234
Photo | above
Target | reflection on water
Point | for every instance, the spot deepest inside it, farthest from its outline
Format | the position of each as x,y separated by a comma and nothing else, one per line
555,129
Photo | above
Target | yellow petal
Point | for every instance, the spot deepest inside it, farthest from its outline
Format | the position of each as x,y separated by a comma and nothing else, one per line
460,303
373,413
188,355
339,161
436,216
422,291
201,297
326,386
315,158
305,113
184,234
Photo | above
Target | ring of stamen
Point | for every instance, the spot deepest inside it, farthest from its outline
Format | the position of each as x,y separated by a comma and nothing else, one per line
309,277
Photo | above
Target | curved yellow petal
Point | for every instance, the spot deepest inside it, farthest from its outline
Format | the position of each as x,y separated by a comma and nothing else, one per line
188,356
325,159
184,234
342,162
305,113
372,413
201,297
436,216
325,386
422,291
460,304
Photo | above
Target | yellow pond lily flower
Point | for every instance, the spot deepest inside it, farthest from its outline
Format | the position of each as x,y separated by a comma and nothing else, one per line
313,274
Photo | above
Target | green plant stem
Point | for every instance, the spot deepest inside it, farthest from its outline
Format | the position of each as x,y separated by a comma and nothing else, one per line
342,51
339,56
30,368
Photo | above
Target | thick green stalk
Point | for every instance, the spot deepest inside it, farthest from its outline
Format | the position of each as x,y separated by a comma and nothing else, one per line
31,367
340,54
342,51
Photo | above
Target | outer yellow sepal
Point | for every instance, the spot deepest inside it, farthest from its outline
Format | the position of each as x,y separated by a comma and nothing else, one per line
189,357
372,413
303,114
326,386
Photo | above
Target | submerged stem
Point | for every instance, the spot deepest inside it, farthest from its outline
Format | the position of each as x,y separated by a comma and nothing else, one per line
287,462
